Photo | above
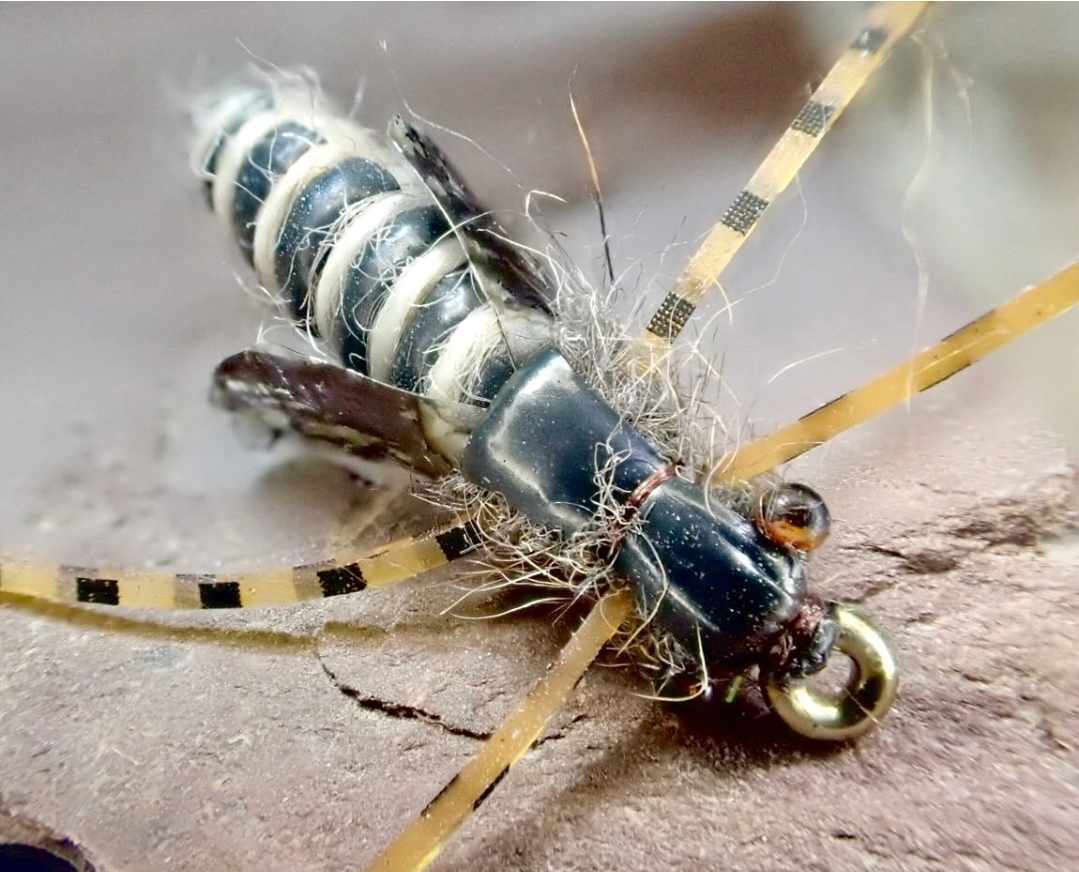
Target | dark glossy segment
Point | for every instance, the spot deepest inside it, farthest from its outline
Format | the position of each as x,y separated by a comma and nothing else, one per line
254,102
493,373
269,159
429,324
321,202
546,439
405,236
543,445
708,568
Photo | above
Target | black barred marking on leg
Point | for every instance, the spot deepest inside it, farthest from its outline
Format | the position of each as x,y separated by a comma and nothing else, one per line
490,787
459,540
781,166
100,591
870,40
743,213
341,580
982,336
440,794
812,118
220,595
823,406
672,316
393,563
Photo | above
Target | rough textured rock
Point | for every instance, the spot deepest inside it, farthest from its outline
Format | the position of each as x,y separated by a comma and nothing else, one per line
306,738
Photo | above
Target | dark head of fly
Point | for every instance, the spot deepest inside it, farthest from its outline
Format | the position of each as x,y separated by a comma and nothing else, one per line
728,587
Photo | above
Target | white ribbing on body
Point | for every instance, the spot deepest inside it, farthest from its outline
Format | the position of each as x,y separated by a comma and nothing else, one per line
343,140
234,156
409,290
275,210
449,420
210,132
348,247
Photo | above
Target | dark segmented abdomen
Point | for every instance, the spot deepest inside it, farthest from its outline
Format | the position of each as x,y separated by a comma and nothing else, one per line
314,213
405,236
446,306
340,229
271,156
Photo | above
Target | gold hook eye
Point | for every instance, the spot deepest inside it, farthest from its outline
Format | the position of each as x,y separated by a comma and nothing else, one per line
859,706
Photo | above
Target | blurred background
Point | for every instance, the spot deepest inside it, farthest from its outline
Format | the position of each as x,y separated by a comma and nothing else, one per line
122,293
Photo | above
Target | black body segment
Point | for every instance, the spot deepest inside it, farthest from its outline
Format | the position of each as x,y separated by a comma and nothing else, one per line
712,581
549,444
707,569
493,373
406,236
430,324
234,110
312,216
272,155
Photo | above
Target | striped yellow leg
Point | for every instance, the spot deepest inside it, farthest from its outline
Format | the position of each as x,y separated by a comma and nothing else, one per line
420,843
396,562
954,353
885,25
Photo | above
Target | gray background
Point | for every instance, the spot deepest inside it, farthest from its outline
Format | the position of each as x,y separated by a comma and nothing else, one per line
219,742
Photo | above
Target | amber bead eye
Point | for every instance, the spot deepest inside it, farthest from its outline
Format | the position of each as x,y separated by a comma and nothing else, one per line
794,516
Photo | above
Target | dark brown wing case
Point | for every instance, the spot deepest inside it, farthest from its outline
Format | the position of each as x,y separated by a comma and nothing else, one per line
364,417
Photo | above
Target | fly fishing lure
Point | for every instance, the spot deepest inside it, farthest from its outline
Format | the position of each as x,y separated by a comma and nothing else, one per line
450,349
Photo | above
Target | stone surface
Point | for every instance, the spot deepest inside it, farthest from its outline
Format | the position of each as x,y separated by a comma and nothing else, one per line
306,738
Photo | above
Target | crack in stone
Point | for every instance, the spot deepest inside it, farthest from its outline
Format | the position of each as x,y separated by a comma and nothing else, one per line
397,710
560,734
873,589
925,561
